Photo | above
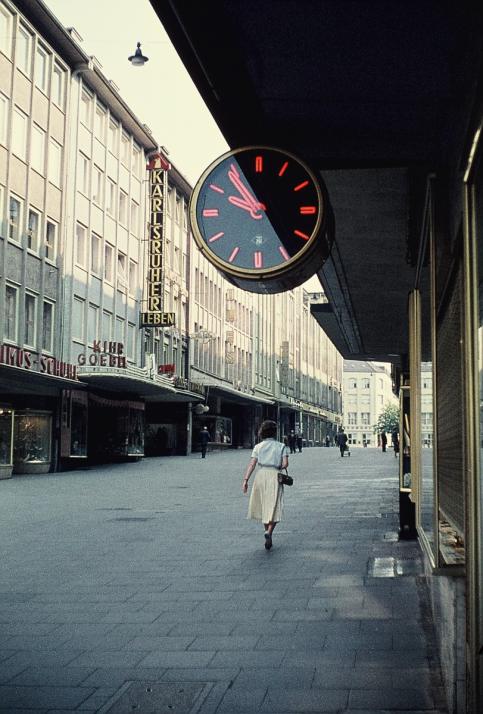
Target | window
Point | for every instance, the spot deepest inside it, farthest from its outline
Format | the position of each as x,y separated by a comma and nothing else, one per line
134,217
97,186
352,383
113,137
11,313
106,325
47,326
86,109
133,276
83,165
80,244
33,230
131,340
92,323
121,267
3,117
37,149
41,69
125,149
100,123
135,160
55,163
95,254
366,384
78,319
5,31
169,202
50,240
122,207
30,321
119,329
15,219
111,198
108,262
58,84
365,416
352,418
177,216
23,49
19,134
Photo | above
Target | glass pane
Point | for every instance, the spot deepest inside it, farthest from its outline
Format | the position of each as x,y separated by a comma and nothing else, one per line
32,438
78,434
6,417
427,474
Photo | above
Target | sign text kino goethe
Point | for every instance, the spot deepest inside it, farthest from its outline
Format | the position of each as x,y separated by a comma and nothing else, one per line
154,315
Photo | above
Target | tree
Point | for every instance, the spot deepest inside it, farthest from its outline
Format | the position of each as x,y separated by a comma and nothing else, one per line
388,420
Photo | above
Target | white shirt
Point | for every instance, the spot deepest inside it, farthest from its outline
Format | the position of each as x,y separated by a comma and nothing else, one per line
269,452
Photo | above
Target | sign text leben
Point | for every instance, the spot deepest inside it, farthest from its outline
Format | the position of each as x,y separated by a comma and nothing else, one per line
154,316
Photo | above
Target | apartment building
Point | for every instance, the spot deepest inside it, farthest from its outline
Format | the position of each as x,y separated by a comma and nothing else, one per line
367,391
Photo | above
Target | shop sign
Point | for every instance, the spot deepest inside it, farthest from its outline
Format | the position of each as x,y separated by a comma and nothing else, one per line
183,383
154,316
166,369
104,354
44,364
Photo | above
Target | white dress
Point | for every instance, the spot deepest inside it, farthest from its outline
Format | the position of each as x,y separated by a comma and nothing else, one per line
266,497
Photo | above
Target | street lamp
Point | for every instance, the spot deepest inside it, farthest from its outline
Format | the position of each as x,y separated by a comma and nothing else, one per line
138,59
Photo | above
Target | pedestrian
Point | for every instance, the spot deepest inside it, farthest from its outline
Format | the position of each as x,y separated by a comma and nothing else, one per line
383,440
327,440
292,441
395,442
300,441
342,441
266,497
204,439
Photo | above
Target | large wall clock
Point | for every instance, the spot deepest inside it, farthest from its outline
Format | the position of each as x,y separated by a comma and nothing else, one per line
262,217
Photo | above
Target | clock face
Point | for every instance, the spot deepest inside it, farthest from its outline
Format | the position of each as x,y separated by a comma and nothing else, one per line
256,213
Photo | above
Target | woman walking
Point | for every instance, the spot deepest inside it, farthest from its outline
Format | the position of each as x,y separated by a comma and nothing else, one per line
266,497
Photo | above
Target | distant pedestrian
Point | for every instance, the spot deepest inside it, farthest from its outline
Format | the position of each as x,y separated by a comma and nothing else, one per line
327,440
342,441
204,439
266,497
300,441
383,440
292,441
395,442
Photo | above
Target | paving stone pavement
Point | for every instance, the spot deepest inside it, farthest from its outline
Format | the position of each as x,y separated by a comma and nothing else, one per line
149,574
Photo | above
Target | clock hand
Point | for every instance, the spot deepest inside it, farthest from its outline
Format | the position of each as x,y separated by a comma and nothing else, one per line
241,203
249,199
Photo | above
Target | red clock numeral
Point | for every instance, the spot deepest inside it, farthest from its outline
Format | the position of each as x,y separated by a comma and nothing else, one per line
258,164
215,237
210,212
258,259
234,254
301,185
302,235
283,169
284,252
307,210
216,188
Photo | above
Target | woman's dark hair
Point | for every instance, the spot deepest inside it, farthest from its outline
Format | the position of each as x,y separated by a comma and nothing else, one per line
268,429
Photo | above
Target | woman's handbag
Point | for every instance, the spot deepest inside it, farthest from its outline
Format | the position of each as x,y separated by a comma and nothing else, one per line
284,478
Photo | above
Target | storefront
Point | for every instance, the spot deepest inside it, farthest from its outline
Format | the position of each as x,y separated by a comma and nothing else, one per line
32,385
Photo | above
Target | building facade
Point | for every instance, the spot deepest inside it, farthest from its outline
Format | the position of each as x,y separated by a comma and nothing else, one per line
82,380
368,389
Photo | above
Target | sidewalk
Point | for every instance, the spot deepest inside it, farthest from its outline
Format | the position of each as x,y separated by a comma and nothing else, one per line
144,586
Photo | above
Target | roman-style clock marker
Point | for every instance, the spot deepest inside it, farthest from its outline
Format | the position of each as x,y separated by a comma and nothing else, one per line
271,214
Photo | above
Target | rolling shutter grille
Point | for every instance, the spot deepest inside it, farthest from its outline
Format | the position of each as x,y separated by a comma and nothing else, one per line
450,405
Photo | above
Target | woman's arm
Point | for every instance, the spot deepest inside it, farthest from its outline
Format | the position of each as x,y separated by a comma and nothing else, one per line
285,462
251,465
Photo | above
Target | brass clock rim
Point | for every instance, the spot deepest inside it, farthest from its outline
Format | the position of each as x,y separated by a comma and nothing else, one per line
259,273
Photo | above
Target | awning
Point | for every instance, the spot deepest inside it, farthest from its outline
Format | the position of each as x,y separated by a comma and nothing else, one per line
235,395
136,381
17,380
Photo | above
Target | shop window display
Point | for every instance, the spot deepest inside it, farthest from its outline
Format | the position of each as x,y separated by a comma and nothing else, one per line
32,442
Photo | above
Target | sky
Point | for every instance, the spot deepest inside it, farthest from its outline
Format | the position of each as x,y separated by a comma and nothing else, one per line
161,93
